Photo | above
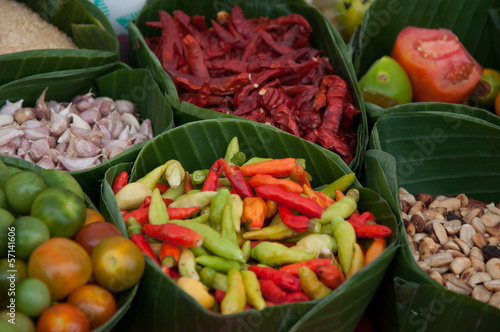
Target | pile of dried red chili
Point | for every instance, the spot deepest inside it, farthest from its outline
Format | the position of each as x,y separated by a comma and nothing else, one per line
259,68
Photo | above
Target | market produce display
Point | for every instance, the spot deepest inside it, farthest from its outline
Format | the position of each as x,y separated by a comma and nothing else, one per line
54,270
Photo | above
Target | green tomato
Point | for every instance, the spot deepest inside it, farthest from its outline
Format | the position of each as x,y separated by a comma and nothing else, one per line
349,15
386,84
488,88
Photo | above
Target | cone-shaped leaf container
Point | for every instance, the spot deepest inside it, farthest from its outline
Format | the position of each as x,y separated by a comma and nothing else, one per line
439,153
161,305
323,37
116,81
79,19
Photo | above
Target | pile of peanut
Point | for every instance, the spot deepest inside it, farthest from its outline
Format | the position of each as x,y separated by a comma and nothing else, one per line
456,240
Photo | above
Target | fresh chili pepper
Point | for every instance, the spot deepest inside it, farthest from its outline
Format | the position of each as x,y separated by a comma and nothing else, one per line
326,199
227,226
263,179
235,298
166,270
147,201
181,213
219,264
207,276
330,275
342,208
310,193
318,243
188,185
279,168
169,254
290,200
312,264
345,236
362,218
357,262
252,289
219,202
151,178
141,215
298,174
339,195
161,187
200,199
157,213
282,279
200,251
296,297
254,213
136,236
246,248
369,231
279,231
219,295
120,182
271,291
235,176
174,234
273,254
374,250
187,264
298,223
272,208
311,285
342,183
198,177
210,183
236,205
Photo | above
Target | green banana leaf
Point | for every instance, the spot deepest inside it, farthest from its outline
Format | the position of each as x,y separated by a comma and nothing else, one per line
476,24
324,37
160,305
449,153
98,42
116,81
124,299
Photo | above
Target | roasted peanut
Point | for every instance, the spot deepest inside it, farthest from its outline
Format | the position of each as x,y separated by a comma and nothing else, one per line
427,248
437,276
492,285
440,232
493,268
458,286
495,300
480,293
453,226
478,225
478,278
459,265
490,219
464,200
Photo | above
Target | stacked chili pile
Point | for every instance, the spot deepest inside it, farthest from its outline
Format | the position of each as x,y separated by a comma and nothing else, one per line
260,68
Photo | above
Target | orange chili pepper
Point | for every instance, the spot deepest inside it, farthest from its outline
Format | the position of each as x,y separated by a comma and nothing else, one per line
279,168
299,175
188,185
272,208
338,195
263,179
374,250
327,199
169,254
312,195
254,212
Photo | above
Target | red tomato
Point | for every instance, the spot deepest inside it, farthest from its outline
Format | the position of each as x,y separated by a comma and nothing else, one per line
62,317
439,67
97,303
91,234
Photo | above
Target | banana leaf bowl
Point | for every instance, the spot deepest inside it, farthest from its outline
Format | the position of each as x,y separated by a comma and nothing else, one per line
160,305
324,37
83,22
124,298
115,80
440,153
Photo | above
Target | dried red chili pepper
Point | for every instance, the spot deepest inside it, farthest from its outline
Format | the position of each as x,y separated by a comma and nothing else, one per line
195,57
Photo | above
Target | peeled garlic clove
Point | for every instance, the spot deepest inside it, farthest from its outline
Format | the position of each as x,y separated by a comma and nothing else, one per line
10,108
39,148
41,110
94,136
6,119
125,133
146,128
58,123
46,162
131,120
24,114
91,116
79,122
9,133
37,133
8,149
125,106
78,164
105,105
84,148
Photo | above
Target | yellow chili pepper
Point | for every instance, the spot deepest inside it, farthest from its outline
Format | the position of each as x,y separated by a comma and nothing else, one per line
235,299
254,212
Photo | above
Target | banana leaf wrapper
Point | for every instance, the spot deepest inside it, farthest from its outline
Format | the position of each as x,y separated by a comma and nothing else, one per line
83,22
115,80
160,305
411,152
324,37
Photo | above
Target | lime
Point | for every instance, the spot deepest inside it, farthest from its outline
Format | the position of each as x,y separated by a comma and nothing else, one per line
7,327
3,204
488,87
11,273
61,210
30,233
23,322
58,178
21,190
386,83
5,174
32,297
6,219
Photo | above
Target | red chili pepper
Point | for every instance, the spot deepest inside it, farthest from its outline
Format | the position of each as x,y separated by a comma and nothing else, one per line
174,234
327,199
136,236
313,264
362,218
161,187
293,201
296,297
330,275
181,213
166,270
147,201
140,214
271,291
310,193
234,175
298,223
298,174
219,295
279,168
212,179
169,254
120,182
368,231
174,274
188,185
282,279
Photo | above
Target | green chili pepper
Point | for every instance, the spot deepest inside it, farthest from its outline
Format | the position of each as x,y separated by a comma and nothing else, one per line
174,173
316,243
273,254
174,193
157,213
252,289
344,234
152,177
227,230
246,248
232,148
187,264
301,162
201,199
276,232
256,160
219,264
200,251
220,282
207,276
235,299
239,158
343,208
219,202
342,183
311,285
213,241
198,177
236,204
